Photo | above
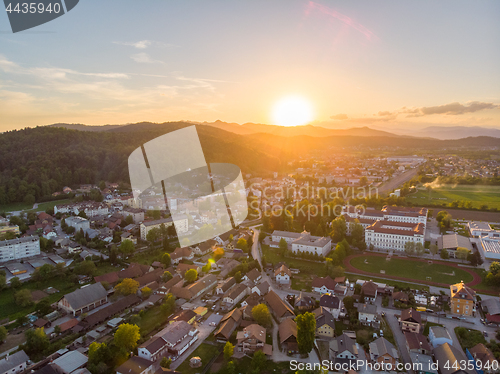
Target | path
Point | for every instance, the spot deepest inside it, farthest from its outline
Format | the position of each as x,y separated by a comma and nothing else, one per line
397,181
476,279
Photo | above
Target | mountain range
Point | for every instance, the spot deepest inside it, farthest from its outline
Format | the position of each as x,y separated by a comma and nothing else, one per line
433,132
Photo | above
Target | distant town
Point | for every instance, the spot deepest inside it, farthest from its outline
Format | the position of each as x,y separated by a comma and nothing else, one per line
345,264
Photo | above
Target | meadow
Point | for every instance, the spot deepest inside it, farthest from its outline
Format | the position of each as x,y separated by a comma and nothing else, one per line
478,195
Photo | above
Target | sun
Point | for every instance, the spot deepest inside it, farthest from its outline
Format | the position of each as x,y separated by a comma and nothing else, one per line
292,111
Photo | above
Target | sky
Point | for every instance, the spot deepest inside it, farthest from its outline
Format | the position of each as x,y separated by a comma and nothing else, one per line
386,64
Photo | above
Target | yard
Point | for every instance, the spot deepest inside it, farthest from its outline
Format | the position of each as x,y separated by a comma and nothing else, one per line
152,319
41,206
415,270
206,352
401,285
478,195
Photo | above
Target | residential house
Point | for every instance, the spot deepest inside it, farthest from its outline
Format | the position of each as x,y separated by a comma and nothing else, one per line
84,299
278,307
182,268
195,289
183,253
382,351
235,294
14,363
410,320
332,303
462,299
367,313
323,285
70,362
136,214
283,275
136,365
226,265
400,296
179,336
424,363
304,302
438,335
253,276
416,342
251,339
153,349
287,331
225,285
449,358
343,350
186,315
325,323
204,248
228,324
369,290
262,289
483,358
251,301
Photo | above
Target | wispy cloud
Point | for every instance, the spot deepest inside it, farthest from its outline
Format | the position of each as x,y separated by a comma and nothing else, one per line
143,44
450,109
340,116
144,58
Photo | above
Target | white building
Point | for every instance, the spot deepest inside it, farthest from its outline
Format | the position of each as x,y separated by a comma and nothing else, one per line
78,223
14,363
303,242
388,213
90,208
181,224
482,230
394,235
283,275
490,248
15,249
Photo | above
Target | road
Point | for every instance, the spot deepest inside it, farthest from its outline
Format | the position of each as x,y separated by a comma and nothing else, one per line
397,181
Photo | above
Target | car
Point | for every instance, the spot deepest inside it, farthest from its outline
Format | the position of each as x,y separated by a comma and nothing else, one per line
381,333
485,333
383,314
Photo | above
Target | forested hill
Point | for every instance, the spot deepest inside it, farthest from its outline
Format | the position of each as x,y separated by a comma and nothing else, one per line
39,161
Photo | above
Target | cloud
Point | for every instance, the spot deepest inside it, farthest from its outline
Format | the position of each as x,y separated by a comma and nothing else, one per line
340,116
385,113
450,109
144,58
143,44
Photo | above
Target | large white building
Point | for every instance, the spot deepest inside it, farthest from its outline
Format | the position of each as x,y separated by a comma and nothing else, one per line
394,235
483,230
181,224
15,249
302,242
387,213
90,208
78,223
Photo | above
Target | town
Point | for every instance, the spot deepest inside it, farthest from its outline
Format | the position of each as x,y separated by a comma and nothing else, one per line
100,283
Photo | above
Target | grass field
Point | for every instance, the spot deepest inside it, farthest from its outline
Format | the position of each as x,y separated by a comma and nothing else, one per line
307,267
477,194
393,283
206,352
411,269
14,207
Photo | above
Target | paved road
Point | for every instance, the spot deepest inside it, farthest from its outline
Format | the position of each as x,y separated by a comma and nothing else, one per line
397,181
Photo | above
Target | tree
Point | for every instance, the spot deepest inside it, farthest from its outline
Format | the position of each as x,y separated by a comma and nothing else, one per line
127,247
475,258
262,236
166,260
23,298
36,341
258,361
228,351
43,307
306,331
86,267
433,248
348,303
152,235
3,333
165,362
419,249
15,282
261,315
127,336
410,248
29,199
191,275
444,254
357,232
3,280
127,286
166,276
242,244
462,253
146,292
168,306
283,247
339,228
99,354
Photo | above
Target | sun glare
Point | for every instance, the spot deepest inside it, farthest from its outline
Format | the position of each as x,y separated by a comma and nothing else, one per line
292,111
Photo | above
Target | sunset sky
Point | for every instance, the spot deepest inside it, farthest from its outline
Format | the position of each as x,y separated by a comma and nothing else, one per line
387,64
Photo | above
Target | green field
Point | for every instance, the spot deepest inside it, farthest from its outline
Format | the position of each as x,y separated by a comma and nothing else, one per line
445,194
409,269
206,352
14,207
353,277
305,267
